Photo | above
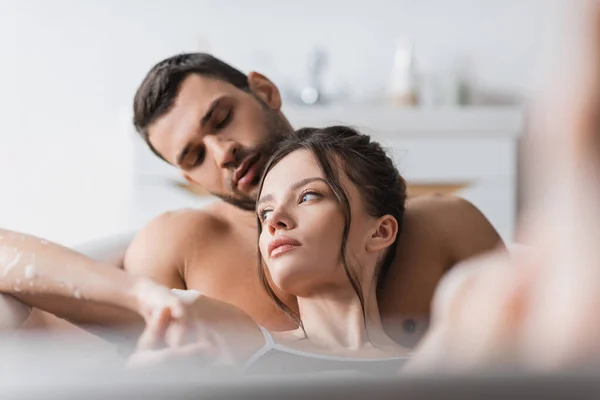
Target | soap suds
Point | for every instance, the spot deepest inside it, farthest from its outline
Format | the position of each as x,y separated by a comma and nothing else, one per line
77,294
30,272
12,264
44,242
63,283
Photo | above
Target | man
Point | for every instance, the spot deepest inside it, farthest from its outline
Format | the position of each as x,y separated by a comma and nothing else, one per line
219,127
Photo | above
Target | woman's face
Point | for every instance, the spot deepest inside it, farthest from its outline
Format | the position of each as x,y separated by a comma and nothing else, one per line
302,226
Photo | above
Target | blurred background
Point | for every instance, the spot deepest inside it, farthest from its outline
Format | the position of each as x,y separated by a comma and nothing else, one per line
441,82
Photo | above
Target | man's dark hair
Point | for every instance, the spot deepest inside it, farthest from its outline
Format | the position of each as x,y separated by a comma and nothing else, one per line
157,92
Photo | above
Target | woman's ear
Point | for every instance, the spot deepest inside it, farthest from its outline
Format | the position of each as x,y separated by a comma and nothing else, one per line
384,234
264,89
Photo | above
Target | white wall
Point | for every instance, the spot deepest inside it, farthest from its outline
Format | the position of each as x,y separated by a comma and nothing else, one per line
70,67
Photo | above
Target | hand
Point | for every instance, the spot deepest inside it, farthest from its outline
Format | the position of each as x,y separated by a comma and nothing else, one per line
539,309
155,302
213,333
200,352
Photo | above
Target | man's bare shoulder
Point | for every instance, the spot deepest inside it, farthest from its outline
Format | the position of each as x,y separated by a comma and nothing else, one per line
161,248
454,224
181,227
439,203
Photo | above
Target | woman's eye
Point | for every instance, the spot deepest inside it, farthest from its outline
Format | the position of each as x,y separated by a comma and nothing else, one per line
309,196
265,214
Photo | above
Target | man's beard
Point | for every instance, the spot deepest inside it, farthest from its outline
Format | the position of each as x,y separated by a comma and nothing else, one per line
277,129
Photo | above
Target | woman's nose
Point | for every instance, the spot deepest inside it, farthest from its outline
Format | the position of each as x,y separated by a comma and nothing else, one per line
279,220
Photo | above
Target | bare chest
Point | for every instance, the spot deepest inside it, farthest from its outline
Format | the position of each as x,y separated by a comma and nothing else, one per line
405,302
229,272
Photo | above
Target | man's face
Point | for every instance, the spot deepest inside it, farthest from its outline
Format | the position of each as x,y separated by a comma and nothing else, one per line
220,137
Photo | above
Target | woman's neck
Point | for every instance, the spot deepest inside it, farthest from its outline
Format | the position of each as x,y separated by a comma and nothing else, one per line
335,320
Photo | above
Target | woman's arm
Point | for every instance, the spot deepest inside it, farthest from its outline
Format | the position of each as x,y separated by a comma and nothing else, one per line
13,313
65,283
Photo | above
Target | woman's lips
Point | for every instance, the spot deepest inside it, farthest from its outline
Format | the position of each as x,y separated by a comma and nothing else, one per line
281,244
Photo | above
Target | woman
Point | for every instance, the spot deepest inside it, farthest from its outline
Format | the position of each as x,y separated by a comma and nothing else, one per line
329,211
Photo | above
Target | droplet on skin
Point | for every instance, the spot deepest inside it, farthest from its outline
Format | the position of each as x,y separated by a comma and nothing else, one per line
30,272
12,264
60,282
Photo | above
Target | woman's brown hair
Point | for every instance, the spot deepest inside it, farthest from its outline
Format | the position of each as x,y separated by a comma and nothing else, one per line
382,189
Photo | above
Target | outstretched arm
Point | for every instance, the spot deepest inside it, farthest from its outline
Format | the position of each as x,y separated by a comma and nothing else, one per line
71,286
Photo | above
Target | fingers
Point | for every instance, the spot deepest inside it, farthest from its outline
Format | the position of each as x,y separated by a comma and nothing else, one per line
178,310
180,332
196,353
153,336
152,296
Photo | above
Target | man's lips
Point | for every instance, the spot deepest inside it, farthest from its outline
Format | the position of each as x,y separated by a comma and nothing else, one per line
246,171
281,244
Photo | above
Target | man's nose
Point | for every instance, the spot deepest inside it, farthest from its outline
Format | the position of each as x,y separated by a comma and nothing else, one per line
224,151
